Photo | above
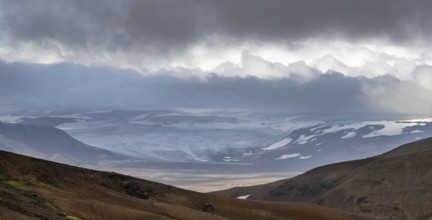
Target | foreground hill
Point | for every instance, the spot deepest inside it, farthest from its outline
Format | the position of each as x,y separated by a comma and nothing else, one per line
394,185
37,189
50,143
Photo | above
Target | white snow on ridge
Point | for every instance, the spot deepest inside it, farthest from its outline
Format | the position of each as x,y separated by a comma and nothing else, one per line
349,134
279,144
418,120
305,157
354,126
391,128
302,139
287,156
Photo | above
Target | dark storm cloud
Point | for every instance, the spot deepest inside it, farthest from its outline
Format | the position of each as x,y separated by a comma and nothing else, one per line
75,86
110,25
291,19
166,26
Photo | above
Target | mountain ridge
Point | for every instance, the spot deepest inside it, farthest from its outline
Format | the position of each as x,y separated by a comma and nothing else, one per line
50,143
393,185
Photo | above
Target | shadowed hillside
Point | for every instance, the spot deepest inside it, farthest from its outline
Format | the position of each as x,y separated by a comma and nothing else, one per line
394,185
37,189
50,143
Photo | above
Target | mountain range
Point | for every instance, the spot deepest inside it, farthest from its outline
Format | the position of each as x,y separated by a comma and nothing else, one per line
52,144
268,140
179,147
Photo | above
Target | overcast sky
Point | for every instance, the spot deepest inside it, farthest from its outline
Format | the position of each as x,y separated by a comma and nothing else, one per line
307,56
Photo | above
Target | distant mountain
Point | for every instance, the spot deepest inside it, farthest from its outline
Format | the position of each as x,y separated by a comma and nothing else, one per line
272,144
46,121
393,185
269,141
50,143
37,189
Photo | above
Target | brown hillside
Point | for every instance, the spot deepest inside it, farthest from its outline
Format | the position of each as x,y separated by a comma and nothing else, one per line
394,185
37,189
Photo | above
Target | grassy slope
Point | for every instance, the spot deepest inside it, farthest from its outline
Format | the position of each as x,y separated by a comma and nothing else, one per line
36,189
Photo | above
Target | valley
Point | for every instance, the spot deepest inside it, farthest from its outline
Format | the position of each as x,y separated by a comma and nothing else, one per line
208,150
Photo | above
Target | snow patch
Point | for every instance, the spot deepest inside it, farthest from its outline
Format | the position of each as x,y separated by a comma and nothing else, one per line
419,120
248,153
305,157
287,156
337,128
243,197
279,144
349,134
391,128
229,159
302,139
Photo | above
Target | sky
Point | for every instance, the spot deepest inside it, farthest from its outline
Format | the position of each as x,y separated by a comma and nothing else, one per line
333,56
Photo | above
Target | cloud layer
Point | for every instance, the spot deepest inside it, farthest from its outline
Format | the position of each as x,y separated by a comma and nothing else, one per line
300,56
76,86
191,33
174,24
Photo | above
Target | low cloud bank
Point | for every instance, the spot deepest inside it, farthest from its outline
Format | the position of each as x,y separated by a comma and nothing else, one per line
74,86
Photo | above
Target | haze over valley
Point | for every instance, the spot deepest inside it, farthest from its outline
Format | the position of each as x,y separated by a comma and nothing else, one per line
185,146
